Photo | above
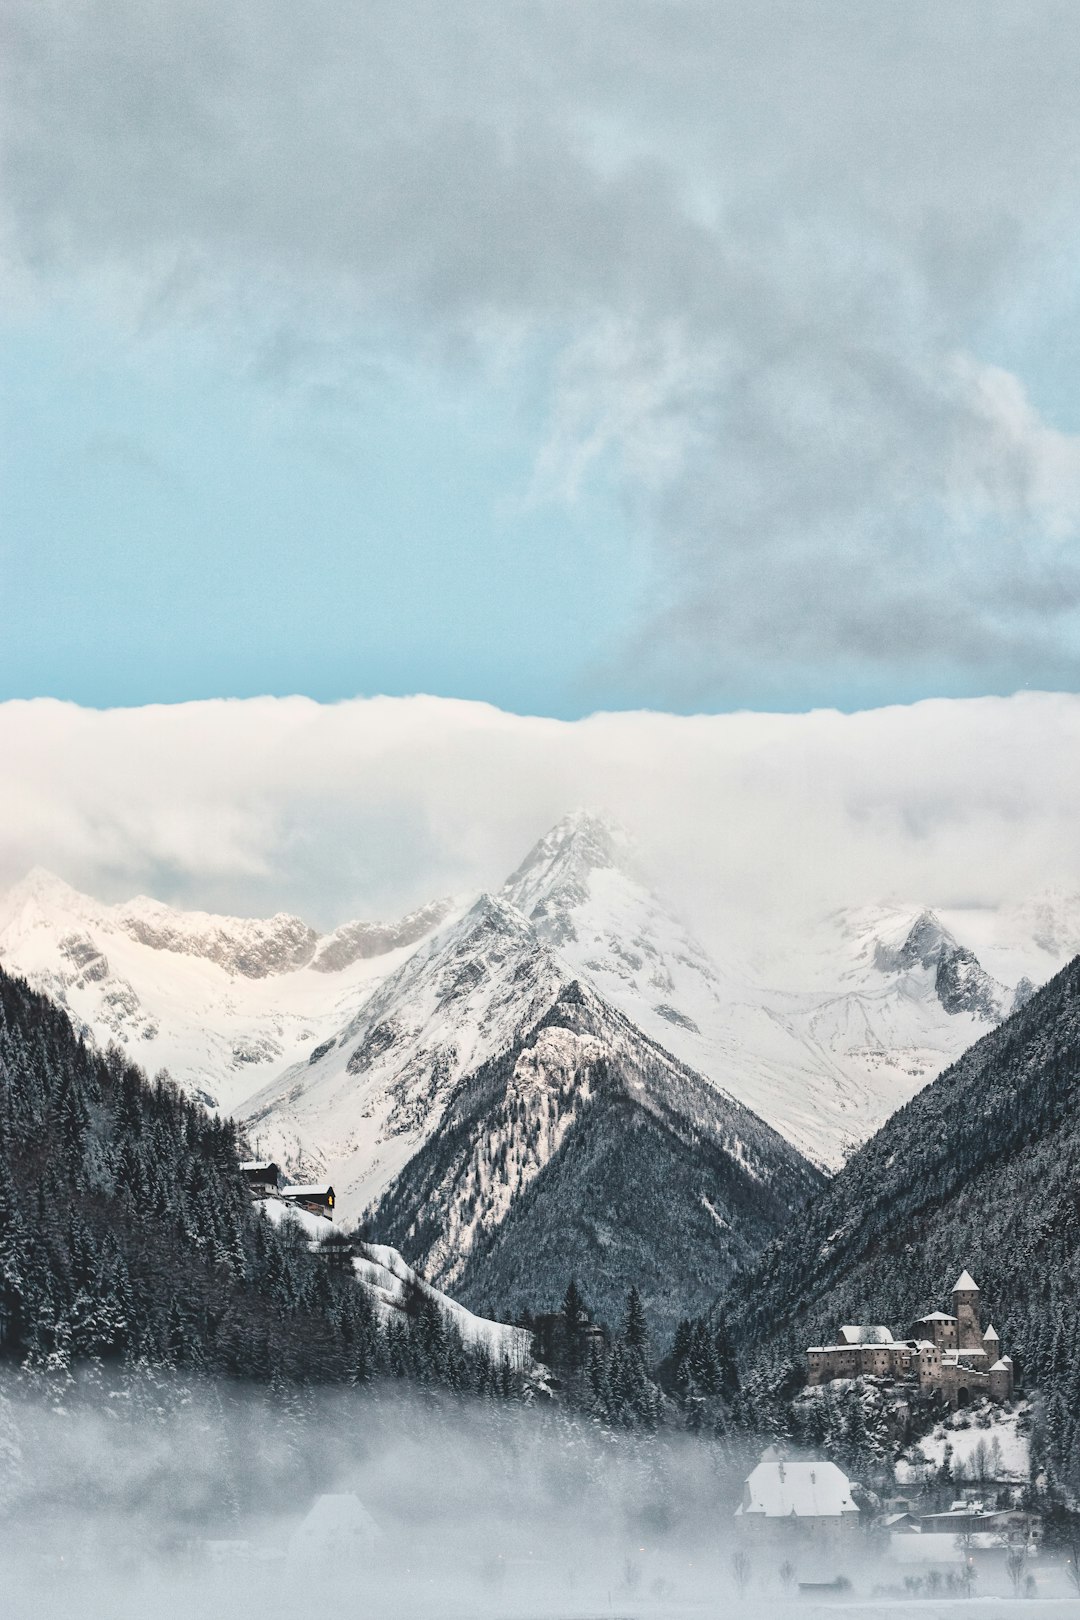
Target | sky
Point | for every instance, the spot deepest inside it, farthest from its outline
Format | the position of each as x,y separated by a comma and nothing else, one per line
685,357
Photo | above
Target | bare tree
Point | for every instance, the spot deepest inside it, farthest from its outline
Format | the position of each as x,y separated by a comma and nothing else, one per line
740,1569
1015,1564
965,1545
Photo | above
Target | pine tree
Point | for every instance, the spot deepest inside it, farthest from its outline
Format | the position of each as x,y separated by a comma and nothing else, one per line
634,1329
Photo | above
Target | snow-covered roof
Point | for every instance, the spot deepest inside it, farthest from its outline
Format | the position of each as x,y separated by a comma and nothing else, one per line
965,1284
258,1164
992,1333
938,1316
809,1490
337,1525
313,1191
925,1344
866,1335
1001,1365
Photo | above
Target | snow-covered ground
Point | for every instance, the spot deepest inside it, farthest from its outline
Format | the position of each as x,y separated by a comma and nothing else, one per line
983,1443
390,1280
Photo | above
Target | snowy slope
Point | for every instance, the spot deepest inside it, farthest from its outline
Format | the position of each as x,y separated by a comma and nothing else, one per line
390,1281
217,1001
358,1110
586,1149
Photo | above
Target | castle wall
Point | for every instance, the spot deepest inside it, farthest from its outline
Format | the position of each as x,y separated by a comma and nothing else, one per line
951,1356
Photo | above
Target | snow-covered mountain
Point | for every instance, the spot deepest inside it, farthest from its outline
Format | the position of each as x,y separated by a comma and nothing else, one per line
869,1004
585,1149
507,1127
341,1049
217,1001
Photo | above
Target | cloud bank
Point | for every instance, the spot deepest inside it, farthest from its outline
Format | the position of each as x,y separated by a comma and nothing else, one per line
747,821
791,280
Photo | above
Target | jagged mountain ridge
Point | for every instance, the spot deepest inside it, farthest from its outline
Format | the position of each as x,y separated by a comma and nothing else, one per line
841,1026
213,1000
585,1148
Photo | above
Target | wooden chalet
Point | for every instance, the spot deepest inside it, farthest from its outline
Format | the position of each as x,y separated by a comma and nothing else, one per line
316,1198
262,1176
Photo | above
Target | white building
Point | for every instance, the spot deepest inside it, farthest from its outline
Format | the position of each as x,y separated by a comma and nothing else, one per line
806,1502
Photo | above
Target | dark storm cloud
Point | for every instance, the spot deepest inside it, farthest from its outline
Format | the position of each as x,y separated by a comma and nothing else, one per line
763,257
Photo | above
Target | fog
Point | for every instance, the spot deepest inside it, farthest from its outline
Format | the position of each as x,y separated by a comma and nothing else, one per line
121,1496
147,1494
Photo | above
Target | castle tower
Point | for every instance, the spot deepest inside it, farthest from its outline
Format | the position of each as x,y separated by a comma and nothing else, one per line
965,1304
991,1341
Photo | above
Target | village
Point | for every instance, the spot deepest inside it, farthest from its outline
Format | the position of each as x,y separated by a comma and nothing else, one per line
959,1519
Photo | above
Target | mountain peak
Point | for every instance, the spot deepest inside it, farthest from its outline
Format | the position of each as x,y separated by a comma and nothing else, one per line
921,946
40,883
40,896
554,878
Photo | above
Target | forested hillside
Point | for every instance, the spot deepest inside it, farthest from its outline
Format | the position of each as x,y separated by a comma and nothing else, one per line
126,1233
587,1150
982,1169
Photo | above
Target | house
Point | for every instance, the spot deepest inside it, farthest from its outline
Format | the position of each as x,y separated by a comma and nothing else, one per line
899,1524
317,1198
808,1502
338,1529
261,1175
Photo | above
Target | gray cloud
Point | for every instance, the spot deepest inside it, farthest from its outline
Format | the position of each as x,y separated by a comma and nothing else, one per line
761,258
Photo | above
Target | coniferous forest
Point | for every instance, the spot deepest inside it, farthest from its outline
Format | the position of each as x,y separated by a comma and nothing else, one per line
126,1233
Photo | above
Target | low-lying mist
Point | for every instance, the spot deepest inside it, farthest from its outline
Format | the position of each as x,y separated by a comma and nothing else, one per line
141,1493
136,1495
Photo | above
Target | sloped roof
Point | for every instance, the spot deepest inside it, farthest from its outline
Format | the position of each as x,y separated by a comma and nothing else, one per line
992,1333
338,1524
866,1335
965,1284
809,1490
938,1316
1001,1366
319,1191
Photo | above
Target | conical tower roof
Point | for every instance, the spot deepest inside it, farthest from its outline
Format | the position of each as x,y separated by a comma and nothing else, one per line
965,1284
992,1333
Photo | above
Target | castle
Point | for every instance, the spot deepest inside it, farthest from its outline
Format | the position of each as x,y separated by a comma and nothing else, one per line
949,1355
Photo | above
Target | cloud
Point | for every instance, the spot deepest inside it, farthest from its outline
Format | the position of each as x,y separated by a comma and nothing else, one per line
755,264
749,822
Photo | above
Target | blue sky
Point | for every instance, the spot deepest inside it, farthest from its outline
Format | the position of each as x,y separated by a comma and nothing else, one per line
176,530
668,355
